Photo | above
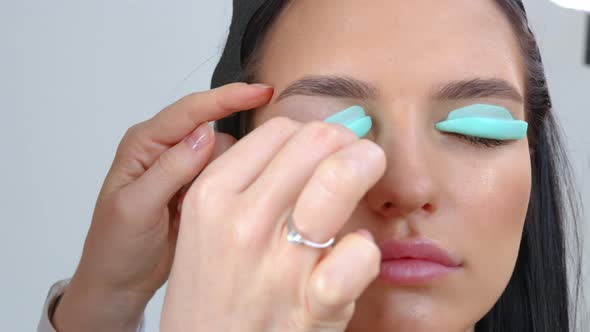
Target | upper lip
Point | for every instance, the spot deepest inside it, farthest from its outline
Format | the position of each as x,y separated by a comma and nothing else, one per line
423,249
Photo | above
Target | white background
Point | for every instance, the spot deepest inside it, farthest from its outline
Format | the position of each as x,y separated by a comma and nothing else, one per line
74,75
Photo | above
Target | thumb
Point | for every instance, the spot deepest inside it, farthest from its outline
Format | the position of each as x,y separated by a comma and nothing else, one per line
174,168
341,277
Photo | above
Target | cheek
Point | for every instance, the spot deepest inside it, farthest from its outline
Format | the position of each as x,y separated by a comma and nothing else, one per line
493,204
495,196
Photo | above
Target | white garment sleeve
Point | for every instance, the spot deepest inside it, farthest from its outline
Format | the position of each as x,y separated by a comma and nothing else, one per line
54,294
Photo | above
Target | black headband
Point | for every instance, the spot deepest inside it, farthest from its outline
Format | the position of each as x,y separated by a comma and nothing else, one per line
229,67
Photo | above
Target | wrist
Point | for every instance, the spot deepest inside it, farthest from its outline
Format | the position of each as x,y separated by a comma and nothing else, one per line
84,307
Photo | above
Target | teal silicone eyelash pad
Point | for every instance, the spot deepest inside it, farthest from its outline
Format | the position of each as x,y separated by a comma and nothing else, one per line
354,118
485,121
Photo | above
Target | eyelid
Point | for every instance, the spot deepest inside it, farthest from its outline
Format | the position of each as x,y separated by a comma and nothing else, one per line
484,121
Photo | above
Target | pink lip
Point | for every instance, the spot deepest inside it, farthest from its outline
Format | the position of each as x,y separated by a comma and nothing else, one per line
414,261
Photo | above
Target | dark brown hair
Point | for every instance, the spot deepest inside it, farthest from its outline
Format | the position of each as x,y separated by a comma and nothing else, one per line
537,297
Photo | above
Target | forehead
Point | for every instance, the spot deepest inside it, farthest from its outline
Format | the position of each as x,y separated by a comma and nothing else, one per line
399,44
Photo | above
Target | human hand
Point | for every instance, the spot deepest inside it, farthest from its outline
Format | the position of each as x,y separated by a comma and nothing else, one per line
234,270
130,246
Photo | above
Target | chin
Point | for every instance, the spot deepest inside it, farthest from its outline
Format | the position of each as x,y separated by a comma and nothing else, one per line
383,308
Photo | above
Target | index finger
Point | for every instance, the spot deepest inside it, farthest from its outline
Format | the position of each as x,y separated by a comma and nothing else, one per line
178,120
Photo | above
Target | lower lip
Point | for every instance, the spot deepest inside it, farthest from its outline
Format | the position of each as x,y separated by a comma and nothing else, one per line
412,271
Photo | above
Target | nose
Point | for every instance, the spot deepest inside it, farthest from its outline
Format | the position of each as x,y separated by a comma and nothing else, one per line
408,186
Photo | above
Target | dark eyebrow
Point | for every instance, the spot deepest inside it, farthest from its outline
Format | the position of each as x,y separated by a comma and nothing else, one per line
330,86
348,87
477,88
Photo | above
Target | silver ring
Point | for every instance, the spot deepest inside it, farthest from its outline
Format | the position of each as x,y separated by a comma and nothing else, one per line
295,237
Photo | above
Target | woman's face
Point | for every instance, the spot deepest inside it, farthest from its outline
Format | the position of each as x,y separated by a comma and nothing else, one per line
469,199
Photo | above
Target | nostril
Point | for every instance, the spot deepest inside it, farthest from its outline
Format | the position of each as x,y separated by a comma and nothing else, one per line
428,207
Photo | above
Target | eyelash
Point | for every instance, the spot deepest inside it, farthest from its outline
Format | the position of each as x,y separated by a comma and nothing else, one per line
478,141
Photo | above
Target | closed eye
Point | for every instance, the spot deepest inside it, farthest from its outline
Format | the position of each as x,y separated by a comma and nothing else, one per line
481,142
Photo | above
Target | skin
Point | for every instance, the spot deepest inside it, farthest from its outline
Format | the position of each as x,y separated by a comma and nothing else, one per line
471,200
230,267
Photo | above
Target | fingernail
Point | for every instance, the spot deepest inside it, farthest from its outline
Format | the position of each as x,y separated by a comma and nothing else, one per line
366,234
200,137
261,85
